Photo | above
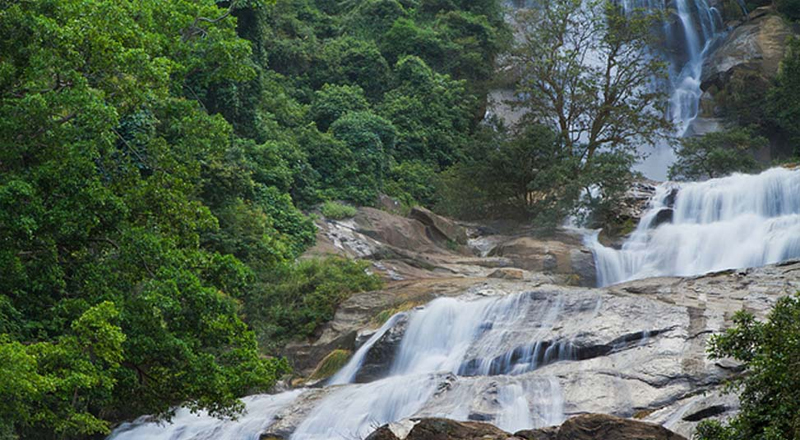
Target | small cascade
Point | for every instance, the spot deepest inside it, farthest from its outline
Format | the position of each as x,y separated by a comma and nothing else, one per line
516,415
733,222
424,377
260,412
348,373
434,349
689,36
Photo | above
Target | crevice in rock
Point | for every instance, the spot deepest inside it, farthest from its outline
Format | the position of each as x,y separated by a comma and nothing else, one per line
705,413
539,354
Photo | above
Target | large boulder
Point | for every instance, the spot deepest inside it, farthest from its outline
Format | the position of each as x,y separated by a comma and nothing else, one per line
602,427
438,227
442,429
756,46
550,256
583,427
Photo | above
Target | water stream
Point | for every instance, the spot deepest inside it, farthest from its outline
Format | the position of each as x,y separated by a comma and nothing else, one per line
442,340
691,33
693,228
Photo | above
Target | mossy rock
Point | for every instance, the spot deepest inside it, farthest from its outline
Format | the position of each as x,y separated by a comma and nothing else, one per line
384,315
330,364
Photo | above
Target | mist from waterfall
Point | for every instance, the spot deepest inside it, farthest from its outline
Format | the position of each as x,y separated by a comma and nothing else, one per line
733,222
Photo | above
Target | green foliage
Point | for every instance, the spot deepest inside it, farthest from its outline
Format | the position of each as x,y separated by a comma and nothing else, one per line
337,211
432,113
770,404
784,98
114,302
413,182
322,62
514,175
744,101
303,296
371,18
332,102
371,140
790,8
347,60
716,154
528,174
55,384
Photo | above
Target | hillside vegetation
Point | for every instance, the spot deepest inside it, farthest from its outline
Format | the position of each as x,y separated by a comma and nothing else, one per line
155,160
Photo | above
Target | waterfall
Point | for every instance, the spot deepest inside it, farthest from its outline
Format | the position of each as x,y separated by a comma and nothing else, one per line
732,222
260,412
687,39
442,340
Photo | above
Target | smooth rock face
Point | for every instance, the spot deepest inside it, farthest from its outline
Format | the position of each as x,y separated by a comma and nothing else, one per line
636,348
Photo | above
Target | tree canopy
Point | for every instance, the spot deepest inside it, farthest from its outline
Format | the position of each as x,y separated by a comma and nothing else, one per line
155,160
770,352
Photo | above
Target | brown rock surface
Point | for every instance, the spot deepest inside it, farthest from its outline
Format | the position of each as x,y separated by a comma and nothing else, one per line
583,427
755,46
444,429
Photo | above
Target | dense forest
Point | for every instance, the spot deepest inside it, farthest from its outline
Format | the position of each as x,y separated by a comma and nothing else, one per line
156,161
161,164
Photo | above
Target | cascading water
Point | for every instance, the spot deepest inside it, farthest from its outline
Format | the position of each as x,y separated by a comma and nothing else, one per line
260,412
441,341
687,40
732,222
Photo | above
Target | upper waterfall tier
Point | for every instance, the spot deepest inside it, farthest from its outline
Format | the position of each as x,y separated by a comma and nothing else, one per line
687,41
733,222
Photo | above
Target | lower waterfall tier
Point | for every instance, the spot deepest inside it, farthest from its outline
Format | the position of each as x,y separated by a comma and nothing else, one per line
519,357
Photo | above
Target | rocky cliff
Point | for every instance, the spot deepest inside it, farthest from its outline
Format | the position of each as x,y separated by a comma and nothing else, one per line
634,350
637,349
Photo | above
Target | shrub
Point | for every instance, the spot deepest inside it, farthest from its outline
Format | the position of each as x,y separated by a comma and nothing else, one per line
301,297
412,182
770,352
333,101
716,155
337,211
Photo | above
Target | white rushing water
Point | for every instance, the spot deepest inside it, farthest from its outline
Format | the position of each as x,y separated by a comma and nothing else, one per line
448,338
733,222
260,413
689,36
